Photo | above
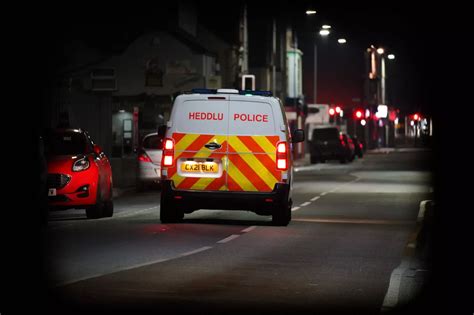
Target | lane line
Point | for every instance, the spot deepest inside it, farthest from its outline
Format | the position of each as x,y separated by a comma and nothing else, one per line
315,198
323,193
250,228
228,239
201,249
294,208
355,221
304,204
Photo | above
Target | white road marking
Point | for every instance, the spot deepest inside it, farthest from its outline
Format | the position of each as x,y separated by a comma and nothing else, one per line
323,193
228,239
294,208
131,212
304,204
134,266
250,228
355,221
195,251
315,198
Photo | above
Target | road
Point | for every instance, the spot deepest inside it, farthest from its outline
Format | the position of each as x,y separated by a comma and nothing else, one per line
349,230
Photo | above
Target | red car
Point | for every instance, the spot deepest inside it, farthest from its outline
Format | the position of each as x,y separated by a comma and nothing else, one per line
79,173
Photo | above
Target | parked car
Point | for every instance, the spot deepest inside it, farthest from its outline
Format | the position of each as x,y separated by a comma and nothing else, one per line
359,147
328,144
79,173
149,161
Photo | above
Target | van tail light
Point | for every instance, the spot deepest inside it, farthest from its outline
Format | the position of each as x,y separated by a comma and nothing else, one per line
167,158
282,156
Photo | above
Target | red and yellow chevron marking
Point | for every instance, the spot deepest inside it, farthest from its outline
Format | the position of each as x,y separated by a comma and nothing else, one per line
192,146
252,163
248,162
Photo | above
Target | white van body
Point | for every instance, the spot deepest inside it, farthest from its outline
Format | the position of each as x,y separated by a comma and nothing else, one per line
227,149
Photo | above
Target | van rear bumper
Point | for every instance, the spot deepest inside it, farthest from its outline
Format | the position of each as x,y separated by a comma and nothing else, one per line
260,203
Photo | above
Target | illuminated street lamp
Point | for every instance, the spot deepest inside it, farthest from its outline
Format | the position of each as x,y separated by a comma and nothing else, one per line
324,32
326,27
380,51
310,12
391,56
342,41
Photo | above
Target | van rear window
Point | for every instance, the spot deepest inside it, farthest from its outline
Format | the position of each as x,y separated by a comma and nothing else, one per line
251,118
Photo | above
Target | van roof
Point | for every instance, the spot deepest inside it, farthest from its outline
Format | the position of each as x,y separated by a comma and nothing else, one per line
231,91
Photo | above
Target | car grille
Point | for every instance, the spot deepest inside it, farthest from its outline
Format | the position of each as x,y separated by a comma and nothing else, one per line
58,180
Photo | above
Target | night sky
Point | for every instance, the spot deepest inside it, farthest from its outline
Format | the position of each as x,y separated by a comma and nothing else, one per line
416,35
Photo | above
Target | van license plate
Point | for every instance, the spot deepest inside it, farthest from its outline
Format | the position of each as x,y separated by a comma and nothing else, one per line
199,167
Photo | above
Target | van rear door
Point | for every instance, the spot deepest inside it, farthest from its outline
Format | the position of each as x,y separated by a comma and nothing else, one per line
253,136
200,136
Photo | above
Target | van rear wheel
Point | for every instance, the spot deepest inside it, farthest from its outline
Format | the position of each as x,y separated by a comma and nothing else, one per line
169,213
282,214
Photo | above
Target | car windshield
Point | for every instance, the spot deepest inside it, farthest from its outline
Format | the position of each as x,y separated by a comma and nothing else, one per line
66,143
153,143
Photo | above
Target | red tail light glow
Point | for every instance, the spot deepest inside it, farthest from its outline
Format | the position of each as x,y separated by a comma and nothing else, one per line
168,153
282,156
144,157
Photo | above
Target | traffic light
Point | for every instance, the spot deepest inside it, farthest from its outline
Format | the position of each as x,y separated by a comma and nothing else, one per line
332,113
358,114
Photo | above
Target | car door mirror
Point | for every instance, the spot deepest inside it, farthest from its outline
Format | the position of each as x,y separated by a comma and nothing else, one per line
97,149
297,136
162,131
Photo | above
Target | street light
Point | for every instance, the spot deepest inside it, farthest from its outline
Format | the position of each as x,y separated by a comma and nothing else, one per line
324,32
391,56
380,51
310,12
342,41
326,27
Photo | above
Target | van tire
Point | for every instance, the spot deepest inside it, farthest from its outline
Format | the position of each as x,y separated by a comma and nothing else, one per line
282,214
169,213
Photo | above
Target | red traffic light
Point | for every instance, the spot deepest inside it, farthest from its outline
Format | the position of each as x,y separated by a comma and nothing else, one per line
358,114
332,111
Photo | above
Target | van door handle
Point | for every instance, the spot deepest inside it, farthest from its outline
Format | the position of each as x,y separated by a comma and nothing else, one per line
213,146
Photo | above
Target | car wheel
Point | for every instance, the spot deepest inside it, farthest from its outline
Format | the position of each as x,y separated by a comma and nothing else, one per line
108,210
282,214
95,211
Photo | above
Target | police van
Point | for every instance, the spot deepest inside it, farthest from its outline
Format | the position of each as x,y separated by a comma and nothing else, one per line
227,149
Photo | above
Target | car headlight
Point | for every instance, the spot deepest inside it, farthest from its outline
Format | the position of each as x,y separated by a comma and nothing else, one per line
81,165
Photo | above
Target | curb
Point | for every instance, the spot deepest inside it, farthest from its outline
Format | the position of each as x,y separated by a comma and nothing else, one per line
407,279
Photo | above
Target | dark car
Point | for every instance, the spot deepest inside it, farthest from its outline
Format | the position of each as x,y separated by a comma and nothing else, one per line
328,144
358,146
79,173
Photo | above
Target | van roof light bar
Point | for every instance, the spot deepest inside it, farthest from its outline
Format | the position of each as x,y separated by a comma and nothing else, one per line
256,92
